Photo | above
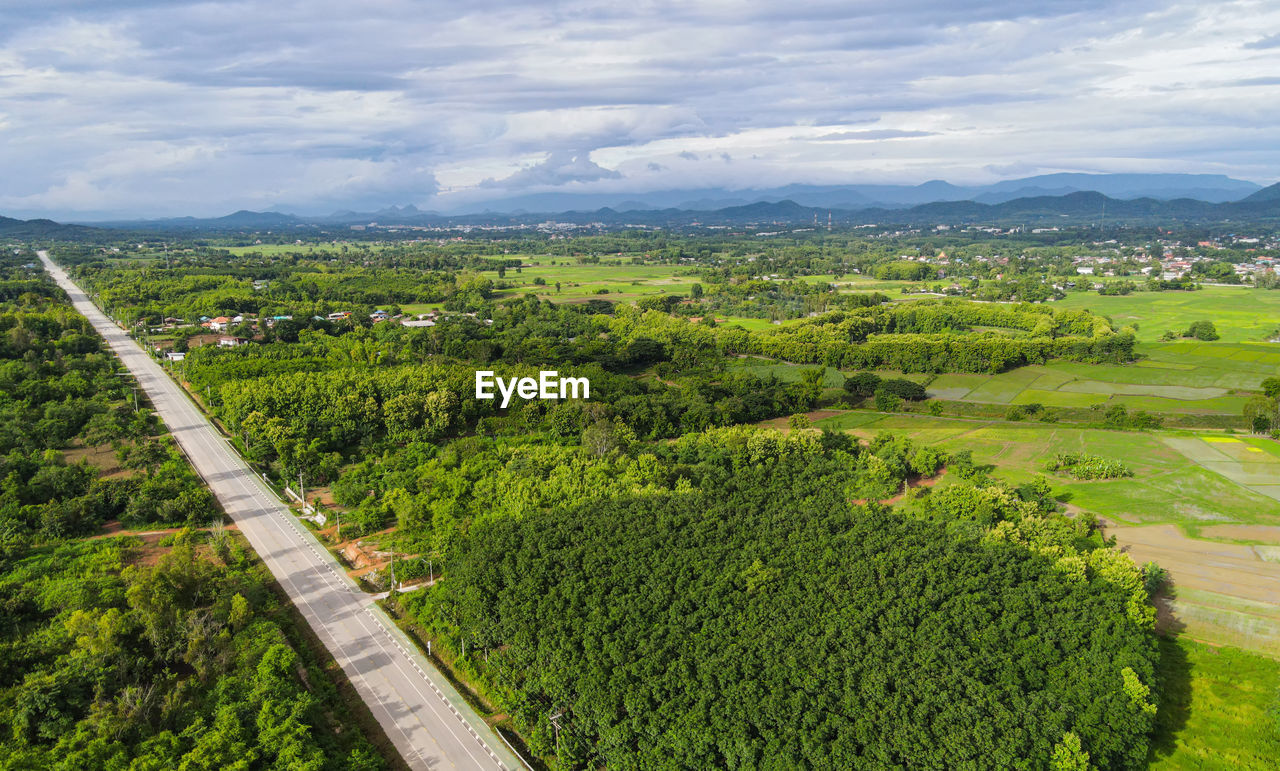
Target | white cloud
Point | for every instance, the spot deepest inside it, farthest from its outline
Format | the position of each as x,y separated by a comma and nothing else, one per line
172,107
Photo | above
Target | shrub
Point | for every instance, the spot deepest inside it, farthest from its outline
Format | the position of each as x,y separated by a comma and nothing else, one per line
1084,466
904,389
1202,330
862,383
1154,577
885,401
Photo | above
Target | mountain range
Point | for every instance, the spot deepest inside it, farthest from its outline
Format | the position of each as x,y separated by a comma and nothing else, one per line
1211,188
989,205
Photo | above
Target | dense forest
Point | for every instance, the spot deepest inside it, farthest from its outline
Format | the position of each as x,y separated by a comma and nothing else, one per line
751,616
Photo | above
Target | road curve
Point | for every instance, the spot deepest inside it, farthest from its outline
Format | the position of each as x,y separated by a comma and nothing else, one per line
430,725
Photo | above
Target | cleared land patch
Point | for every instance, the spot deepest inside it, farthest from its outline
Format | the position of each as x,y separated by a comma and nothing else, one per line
1258,533
1225,593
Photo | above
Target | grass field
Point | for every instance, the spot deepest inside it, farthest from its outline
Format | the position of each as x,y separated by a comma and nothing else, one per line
1179,478
1240,314
1172,377
1188,378
621,280
1217,709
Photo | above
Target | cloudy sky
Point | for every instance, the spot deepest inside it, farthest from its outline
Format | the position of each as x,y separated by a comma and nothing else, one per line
140,108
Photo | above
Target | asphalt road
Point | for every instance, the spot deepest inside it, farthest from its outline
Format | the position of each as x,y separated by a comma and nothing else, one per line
431,726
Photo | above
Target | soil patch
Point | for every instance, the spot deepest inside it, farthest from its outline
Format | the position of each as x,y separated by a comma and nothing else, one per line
1263,533
814,416
1234,570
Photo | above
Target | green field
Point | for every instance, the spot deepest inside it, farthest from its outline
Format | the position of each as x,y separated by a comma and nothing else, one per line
1185,378
1218,709
613,280
1179,478
1241,314
1188,377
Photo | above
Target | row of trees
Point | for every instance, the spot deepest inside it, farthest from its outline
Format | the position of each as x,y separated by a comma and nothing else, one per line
912,337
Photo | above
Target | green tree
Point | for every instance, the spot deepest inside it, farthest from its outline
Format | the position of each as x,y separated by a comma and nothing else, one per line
1262,413
862,383
1202,330
1068,755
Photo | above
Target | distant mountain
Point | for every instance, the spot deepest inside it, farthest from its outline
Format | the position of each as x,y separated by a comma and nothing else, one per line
42,228
1036,200
1212,188
255,219
1265,195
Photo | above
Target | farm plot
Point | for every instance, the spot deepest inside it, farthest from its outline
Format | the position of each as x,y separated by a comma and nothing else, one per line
1246,462
1224,593
1200,383
1240,314
609,280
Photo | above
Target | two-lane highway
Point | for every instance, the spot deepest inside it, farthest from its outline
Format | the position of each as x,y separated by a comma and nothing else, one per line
428,723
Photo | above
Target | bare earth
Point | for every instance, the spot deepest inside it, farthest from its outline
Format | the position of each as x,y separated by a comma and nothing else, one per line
1223,593
1263,533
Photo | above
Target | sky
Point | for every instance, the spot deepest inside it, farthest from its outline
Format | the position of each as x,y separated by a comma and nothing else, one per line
134,108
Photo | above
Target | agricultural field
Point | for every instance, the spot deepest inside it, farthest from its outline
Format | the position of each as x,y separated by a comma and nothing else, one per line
1241,314
1188,378
1194,499
1218,709
1167,381
613,280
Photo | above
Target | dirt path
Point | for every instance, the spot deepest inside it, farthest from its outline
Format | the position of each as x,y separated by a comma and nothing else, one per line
781,423
114,528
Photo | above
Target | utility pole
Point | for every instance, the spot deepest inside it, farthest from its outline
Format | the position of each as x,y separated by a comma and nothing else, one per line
302,493
555,721
393,570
